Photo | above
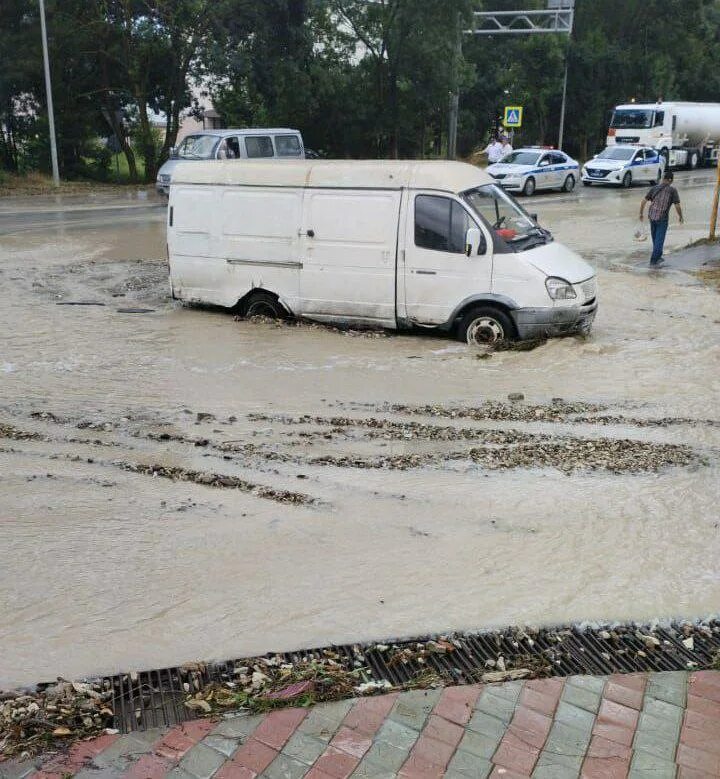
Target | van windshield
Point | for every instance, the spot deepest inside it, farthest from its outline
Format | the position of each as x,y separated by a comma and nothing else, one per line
197,147
505,217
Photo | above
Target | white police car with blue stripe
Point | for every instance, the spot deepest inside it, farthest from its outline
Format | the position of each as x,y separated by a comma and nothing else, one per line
623,164
532,168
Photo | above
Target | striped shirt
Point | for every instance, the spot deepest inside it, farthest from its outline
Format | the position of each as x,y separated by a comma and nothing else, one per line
661,197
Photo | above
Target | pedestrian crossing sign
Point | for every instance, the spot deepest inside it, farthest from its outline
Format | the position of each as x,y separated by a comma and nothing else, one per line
513,116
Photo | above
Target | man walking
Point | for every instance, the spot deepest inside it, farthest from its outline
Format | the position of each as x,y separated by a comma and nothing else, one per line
660,197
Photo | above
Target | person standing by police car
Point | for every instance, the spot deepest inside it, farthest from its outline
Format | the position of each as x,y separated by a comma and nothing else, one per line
660,197
494,150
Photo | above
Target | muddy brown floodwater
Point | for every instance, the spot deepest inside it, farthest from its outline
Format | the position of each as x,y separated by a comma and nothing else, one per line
176,485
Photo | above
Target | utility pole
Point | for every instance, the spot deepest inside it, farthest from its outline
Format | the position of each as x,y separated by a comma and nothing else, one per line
48,93
714,213
562,110
455,96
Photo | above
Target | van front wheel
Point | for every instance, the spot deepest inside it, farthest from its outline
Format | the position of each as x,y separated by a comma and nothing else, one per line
485,326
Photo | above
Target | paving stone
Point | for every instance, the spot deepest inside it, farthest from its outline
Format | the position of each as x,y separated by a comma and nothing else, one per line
324,719
469,766
655,773
202,762
500,708
397,735
125,749
16,769
644,761
566,740
581,697
509,691
663,710
669,686
370,769
479,744
304,748
666,727
412,708
575,717
656,743
222,744
487,725
554,766
237,727
387,755
594,684
179,773
284,767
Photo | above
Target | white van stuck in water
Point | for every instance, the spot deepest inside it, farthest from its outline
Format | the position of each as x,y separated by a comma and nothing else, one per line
385,243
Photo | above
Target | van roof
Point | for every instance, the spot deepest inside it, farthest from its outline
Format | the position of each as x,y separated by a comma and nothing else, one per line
245,131
335,174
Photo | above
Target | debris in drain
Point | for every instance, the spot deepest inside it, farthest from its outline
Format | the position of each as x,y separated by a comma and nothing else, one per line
135,310
34,721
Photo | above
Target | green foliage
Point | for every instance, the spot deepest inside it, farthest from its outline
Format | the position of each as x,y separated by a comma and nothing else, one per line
358,78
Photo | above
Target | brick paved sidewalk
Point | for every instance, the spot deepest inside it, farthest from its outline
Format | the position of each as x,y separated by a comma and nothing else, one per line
638,725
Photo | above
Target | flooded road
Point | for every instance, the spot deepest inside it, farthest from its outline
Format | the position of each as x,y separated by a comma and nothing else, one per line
176,485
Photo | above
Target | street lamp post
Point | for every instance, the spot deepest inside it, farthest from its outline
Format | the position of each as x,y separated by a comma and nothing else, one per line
48,92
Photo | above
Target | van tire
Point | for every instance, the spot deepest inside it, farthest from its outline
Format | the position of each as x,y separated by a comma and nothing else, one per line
569,184
529,188
486,326
262,304
693,160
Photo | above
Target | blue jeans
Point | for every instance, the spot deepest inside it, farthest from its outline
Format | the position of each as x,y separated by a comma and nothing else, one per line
658,230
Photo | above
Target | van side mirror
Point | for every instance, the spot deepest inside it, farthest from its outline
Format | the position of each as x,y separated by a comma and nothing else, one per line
543,163
173,152
473,241
533,217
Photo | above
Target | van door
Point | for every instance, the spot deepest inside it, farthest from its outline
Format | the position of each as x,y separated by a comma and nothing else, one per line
259,242
191,236
437,273
348,251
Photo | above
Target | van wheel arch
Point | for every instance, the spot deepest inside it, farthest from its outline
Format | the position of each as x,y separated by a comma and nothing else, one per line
261,302
480,308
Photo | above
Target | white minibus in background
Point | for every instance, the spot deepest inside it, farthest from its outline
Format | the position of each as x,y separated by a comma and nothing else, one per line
384,243
281,143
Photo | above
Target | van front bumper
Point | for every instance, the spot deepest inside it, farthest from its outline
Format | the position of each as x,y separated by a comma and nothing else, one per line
544,322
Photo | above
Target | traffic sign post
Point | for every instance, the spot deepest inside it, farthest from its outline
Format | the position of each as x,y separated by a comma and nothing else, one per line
513,116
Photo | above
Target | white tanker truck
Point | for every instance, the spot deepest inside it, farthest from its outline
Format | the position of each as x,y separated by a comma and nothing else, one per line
686,134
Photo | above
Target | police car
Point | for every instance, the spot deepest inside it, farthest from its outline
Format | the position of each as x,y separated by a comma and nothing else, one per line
531,168
623,164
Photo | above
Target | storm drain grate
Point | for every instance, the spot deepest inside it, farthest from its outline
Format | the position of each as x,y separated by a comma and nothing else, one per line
156,698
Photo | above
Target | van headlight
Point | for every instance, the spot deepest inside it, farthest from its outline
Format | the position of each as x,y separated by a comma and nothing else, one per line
559,289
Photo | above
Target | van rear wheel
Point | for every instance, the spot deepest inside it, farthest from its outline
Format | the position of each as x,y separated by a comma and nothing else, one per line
263,304
485,326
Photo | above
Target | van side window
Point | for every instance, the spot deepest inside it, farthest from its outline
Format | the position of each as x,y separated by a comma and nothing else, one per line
659,118
287,145
440,224
259,146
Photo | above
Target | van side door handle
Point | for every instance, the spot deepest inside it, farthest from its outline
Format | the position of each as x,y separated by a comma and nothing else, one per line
426,272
